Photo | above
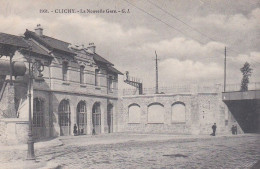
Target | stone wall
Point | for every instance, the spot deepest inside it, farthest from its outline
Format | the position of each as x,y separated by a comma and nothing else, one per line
13,131
202,110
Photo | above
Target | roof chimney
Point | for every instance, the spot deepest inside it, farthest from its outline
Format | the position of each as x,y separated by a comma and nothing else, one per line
92,47
38,30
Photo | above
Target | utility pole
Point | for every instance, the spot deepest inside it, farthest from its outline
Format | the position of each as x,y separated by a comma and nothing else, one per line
225,65
156,67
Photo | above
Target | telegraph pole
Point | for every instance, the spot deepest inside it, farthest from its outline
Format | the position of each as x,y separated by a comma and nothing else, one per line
225,65
156,67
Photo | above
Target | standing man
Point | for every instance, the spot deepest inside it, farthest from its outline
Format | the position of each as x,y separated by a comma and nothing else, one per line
214,128
75,129
235,129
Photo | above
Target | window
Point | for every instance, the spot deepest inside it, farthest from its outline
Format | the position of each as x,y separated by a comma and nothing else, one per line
96,77
134,113
38,113
82,115
82,74
155,113
178,112
65,71
110,83
64,113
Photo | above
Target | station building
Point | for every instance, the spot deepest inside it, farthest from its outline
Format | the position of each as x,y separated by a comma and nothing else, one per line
79,87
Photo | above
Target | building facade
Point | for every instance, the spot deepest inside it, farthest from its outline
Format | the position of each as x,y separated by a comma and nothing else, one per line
77,87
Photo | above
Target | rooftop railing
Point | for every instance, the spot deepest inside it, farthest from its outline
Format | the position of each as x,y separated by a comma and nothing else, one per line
190,89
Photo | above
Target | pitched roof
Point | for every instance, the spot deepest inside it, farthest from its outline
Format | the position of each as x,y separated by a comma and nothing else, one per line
114,70
37,49
51,42
99,58
63,46
13,40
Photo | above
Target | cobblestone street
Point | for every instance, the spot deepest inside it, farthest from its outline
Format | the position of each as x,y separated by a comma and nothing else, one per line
144,151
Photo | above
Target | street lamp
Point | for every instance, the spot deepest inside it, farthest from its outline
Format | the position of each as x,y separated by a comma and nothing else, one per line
36,65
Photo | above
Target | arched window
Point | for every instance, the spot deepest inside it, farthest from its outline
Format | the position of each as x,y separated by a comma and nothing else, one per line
82,117
38,113
155,113
65,71
81,74
96,117
134,113
178,112
64,117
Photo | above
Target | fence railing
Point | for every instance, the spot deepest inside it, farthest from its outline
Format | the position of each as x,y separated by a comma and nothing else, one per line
190,88
237,87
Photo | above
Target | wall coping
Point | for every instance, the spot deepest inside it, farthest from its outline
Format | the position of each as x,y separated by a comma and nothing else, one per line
168,95
14,120
155,95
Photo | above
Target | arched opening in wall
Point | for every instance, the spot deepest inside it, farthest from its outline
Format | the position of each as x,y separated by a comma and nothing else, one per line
178,112
134,113
82,117
64,118
156,113
38,118
110,118
96,118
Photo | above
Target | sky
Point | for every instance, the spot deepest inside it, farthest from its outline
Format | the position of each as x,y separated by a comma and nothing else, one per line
189,36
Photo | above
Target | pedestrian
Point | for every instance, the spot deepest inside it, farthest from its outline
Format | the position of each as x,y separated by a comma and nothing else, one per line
75,129
214,128
93,131
233,129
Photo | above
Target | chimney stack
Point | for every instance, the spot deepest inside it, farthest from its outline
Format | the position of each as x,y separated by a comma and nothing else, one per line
38,30
92,47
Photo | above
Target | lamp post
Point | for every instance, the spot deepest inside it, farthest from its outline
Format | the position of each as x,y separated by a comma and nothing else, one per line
32,66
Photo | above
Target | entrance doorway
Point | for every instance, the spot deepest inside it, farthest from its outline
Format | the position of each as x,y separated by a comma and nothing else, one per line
110,118
96,118
82,117
64,118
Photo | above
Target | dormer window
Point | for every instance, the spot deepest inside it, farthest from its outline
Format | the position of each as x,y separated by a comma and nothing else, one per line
81,72
65,71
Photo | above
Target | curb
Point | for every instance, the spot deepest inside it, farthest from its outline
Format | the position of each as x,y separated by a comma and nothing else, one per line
37,145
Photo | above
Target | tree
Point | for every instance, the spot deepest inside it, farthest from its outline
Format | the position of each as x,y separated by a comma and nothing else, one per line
247,72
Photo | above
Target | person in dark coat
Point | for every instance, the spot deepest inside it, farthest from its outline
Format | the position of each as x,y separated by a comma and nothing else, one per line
93,131
233,129
75,129
214,128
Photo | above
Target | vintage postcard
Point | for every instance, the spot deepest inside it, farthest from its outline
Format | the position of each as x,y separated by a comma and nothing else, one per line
122,84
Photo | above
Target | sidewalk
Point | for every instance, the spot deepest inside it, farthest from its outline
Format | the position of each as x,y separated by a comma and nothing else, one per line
37,145
7,151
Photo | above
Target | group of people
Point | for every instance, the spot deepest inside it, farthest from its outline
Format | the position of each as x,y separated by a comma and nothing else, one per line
234,129
77,131
214,128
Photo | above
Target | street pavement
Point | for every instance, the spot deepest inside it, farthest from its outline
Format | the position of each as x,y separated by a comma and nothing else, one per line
121,150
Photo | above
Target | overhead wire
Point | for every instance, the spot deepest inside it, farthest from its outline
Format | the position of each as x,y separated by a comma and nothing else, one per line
194,29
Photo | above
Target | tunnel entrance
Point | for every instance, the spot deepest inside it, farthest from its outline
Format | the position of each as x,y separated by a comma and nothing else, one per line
246,113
